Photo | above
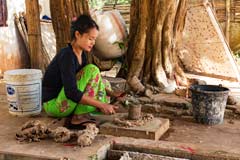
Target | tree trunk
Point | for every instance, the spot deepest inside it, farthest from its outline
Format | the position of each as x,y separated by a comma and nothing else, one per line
34,33
228,19
155,33
62,13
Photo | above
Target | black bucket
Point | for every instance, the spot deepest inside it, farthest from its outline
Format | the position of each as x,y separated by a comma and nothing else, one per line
209,102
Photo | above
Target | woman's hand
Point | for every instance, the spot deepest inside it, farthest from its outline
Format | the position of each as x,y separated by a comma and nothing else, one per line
104,107
108,108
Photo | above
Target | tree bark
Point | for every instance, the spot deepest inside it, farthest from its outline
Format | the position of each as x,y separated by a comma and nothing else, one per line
137,48
155,33
34,33
228,19
177,36
62,13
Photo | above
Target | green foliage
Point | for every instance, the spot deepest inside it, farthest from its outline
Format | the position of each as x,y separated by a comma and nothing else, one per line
121,45
119,1
237,54
93,157
98,4
124,67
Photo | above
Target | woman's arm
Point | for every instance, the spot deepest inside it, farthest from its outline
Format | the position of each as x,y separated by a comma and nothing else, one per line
104,107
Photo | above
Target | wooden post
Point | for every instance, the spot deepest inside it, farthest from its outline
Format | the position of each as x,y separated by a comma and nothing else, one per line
34,32
228,18
214,6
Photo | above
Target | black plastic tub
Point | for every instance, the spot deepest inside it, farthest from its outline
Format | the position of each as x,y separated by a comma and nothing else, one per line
209,103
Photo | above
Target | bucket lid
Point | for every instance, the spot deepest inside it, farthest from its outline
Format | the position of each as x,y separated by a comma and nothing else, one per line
20,75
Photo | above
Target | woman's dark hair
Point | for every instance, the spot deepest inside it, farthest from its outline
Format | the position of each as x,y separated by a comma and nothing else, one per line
83,24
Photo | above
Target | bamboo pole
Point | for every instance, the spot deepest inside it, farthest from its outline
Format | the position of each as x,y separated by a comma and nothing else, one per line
228,18
34,32
19,26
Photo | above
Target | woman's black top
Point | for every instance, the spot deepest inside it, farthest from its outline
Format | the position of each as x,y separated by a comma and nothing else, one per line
61,72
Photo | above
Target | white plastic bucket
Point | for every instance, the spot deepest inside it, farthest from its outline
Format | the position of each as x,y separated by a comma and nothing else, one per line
24,91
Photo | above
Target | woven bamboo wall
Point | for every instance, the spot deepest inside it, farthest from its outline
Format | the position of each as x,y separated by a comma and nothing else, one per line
124,10
220,9
234,31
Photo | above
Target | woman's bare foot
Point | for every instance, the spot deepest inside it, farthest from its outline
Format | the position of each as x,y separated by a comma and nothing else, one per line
76,119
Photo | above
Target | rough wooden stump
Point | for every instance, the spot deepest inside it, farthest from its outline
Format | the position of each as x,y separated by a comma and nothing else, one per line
134,111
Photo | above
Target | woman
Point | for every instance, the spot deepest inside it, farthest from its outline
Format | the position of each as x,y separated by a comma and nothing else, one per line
70,86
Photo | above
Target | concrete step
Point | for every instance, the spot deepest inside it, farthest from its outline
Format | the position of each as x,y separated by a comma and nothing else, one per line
6,156
185,150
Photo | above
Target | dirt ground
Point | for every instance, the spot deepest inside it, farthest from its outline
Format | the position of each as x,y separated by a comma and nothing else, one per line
223,138
226,136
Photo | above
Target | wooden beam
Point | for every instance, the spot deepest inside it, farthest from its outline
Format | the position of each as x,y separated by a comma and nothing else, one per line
228,18
34,32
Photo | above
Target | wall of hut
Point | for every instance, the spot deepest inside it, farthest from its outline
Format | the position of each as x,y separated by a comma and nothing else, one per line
45,8
13,52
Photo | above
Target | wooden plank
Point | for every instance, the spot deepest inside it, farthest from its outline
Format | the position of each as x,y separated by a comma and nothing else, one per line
228,17
152,130
34,32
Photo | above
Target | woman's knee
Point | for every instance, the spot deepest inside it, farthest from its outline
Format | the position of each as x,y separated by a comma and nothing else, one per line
92,68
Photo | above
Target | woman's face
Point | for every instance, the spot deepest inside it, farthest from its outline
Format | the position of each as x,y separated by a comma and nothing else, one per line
86,41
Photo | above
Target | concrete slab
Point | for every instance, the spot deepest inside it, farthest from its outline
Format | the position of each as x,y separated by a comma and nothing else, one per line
116,155
225,137
191,151
151,130
45,149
